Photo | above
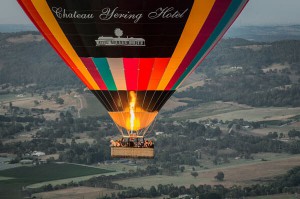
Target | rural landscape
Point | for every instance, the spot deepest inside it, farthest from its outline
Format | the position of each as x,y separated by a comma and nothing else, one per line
232,130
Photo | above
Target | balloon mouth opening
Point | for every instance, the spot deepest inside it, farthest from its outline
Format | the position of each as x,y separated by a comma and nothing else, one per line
141,120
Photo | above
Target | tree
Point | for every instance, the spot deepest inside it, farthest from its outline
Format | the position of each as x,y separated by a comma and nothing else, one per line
182,169
194,174
59,100
220,176
153,191
36,102
45,97
174,194
293,133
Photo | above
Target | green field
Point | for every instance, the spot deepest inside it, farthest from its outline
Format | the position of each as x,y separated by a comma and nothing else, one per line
23,176
8,97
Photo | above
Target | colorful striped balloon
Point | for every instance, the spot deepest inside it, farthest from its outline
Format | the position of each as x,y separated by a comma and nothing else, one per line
133,54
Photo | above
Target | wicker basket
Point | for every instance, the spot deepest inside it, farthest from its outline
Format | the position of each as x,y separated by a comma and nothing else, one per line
132,152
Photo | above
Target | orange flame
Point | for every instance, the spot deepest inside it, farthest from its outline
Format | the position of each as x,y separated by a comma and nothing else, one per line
131,109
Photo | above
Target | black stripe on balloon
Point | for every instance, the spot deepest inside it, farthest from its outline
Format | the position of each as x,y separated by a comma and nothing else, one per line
137,36
116,101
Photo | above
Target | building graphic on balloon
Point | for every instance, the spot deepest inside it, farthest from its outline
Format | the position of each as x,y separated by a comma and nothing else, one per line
119,41
131,80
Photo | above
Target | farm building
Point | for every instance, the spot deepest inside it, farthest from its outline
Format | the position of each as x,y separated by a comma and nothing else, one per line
38,153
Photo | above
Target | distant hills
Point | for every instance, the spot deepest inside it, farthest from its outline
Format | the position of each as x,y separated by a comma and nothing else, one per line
259,74
253,33
6,28
265,33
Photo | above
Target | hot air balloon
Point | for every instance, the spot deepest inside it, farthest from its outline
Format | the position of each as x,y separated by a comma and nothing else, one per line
133,54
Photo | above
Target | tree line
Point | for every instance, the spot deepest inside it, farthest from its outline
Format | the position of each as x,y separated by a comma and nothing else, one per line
287,183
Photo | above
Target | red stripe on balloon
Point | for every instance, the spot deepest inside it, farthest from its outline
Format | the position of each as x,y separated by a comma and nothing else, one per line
145,70
131,66
91,67
210,24
34,16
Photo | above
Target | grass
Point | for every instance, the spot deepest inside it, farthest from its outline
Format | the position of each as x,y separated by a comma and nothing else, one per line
26,175
8,97
92,107
5,178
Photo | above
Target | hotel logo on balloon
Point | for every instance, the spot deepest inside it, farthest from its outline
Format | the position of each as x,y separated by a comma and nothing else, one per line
119,40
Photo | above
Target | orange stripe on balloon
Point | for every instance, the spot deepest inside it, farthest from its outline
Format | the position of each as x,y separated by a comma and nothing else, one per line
158,70
41,26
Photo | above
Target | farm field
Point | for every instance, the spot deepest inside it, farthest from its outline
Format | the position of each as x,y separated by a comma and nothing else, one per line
87,104
208,110
258,114
27,175
8,97
230,111
277,196
241,174
80,193
115,168
279,129
76,193
27,101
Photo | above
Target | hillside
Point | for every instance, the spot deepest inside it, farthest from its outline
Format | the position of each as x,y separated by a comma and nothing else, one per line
26,58
252,73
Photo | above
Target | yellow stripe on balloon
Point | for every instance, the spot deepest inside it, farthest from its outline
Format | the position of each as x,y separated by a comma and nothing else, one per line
117,70
46,14
196,20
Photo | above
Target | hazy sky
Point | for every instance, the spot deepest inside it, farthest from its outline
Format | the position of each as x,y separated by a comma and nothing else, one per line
257,12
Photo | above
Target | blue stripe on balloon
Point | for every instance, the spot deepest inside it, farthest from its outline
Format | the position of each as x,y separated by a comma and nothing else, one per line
105,72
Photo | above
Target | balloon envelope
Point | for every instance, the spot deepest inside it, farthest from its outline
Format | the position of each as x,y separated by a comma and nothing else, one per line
133,54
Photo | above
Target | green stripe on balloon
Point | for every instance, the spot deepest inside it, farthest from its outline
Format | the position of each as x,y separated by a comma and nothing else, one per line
104,70
234,6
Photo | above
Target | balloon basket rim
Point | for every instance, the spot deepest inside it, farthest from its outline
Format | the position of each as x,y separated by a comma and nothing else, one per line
132,152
